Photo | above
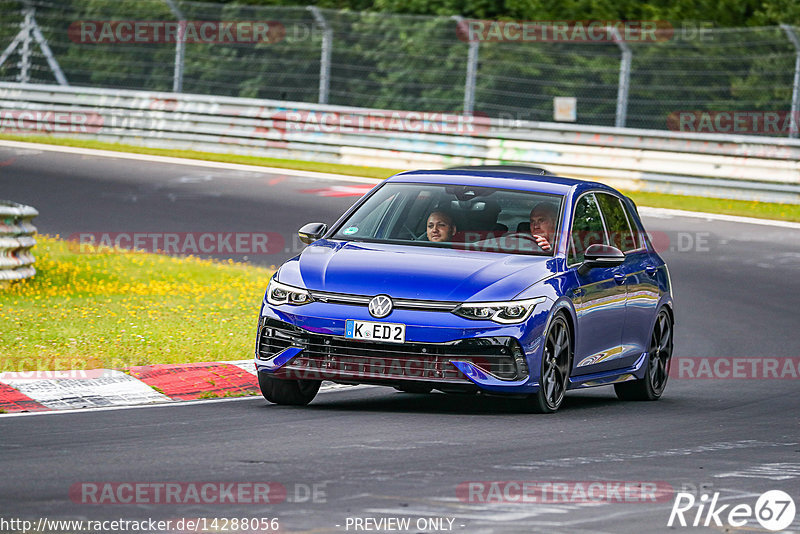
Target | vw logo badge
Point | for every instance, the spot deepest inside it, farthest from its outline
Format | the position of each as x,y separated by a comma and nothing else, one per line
380,306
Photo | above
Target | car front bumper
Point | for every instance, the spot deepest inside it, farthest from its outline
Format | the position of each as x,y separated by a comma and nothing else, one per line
441,350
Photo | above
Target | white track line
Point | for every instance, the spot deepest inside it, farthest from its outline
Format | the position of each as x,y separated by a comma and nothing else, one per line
332,388
665,213
647,211
189,162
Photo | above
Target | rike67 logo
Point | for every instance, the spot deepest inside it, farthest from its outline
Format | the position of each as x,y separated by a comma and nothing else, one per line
774,510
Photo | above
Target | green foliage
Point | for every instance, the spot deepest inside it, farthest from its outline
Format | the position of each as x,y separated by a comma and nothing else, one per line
723,13
414,62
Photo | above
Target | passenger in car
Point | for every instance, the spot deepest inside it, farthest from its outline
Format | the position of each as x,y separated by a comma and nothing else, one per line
543,224
441,226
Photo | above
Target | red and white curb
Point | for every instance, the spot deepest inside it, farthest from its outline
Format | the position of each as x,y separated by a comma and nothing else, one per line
64,390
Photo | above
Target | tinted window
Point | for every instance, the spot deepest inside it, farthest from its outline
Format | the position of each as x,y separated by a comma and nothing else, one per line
587,228
619,232
636,236
477,218
368,220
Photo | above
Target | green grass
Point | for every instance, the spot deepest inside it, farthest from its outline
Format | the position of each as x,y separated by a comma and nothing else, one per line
767,210
746,208
118,309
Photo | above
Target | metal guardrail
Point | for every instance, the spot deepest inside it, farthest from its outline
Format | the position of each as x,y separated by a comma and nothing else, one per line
16,241
621,73
726,166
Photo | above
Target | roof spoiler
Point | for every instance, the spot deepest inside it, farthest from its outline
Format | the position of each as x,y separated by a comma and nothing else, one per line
520,169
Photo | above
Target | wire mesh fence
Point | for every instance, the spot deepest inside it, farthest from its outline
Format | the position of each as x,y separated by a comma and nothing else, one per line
388,61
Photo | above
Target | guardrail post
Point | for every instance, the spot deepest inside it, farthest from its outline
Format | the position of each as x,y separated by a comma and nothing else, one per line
180,47
624,78
23,39
25,51
16,241
325,54
472,68
472,74
795,109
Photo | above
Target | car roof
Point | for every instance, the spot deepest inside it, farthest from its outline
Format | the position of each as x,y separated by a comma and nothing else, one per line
515,177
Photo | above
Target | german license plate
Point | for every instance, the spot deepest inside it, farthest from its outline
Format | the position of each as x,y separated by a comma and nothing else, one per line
388,332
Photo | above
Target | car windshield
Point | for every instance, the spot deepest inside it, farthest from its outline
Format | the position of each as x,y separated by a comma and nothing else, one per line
457,216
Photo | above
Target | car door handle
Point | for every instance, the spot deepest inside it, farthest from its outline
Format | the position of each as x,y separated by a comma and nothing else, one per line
651,270
619,278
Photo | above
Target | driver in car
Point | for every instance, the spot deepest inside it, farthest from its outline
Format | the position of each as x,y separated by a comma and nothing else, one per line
543,224
441,226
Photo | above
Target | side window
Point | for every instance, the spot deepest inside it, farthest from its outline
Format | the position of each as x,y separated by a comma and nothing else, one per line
587,228
636,235
619,231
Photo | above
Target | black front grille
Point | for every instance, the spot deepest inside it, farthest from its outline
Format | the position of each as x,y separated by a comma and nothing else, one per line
332,357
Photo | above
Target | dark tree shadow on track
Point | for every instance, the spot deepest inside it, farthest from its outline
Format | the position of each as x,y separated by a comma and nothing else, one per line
388,401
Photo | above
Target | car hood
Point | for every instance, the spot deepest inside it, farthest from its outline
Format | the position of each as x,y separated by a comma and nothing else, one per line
414,272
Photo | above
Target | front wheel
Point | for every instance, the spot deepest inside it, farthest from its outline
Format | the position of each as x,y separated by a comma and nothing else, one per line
556,362
289,392
659,355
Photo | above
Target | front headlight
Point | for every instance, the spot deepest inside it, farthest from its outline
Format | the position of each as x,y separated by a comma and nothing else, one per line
513,311
278,294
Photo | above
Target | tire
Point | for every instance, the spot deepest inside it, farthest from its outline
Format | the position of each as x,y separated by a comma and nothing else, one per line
414,388
659,356
288,392
555,368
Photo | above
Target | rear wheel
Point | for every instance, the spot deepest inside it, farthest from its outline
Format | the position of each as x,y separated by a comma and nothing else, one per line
659,355
290,392
556,362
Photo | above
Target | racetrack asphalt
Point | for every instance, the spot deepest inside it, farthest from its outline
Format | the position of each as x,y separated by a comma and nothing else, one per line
376,453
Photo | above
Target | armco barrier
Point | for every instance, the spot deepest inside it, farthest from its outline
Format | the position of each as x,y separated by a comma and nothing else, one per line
718,165
16,241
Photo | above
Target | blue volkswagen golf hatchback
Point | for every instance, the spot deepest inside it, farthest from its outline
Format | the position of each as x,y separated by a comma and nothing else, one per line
491,280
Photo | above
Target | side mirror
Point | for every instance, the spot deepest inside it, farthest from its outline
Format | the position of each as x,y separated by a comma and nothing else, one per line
601,256
311,232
